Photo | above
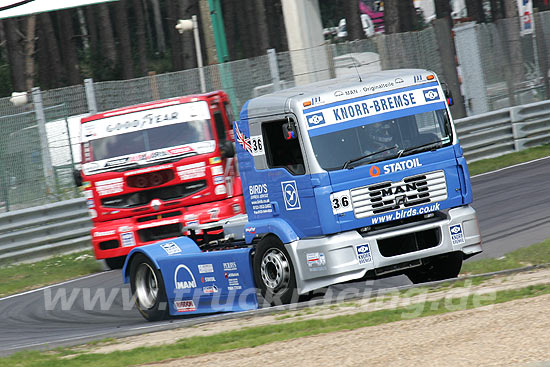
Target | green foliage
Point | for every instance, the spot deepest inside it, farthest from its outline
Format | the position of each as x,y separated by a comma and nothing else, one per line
487,165
536,254
21,277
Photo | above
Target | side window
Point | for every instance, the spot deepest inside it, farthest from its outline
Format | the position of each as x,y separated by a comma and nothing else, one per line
281,152
220,126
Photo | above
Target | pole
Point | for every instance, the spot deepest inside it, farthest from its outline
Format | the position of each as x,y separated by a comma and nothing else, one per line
198,52
45,150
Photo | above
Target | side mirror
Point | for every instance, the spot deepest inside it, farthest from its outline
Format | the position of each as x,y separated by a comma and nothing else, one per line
448,94
77,178
227,149
289,131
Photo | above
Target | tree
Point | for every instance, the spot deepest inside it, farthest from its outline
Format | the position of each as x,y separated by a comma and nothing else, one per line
159,32
475,10
354,26
407,16
140,36
123,34
50,66
107,41
391,17
14,45
68,49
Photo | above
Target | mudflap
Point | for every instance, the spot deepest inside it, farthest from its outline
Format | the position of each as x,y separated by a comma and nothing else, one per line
202,282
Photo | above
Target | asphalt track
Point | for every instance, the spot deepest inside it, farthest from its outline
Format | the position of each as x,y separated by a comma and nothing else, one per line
513,207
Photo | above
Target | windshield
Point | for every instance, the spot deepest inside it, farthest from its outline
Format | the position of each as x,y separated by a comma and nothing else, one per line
382,140
151,139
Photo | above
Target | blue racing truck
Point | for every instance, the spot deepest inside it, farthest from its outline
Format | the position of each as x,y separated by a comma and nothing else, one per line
344,180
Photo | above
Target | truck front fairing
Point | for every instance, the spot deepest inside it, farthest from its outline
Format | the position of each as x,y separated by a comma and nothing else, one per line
148,170
381,182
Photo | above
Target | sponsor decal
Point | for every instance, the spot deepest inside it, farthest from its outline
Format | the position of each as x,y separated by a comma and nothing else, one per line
457,235
290,194
431,95
376,87
191,171
399,80
183,278
231,275
419,79
374,171
124,229
250,230
93,213
403,165
171,248
233,284
207,279
214,213
219,180
243,140
363,253
105,233
90,203
315,119
205,268
180,150
210,289
215,160
406,213
341,202
316,101
112,186
185,306
127,239
116,162
229,266
315,259
217,170
88,194
220,190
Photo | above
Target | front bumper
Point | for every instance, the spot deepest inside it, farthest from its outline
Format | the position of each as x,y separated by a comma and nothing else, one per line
320,262
117,237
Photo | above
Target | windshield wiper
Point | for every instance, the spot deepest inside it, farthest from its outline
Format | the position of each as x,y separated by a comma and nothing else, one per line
435,145
350,161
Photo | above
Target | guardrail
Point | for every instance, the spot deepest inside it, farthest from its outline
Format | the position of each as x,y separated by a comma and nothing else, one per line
504,131
34,233
63,227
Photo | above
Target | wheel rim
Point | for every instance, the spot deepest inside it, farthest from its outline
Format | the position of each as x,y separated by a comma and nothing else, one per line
146,286
275,270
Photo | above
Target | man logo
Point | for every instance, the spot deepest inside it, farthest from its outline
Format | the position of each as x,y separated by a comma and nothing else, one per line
431,95
400,200
186,280
315,119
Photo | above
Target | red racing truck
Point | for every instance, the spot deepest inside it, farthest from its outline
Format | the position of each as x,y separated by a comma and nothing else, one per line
150,170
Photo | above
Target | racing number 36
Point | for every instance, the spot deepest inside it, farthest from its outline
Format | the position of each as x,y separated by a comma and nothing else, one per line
341,202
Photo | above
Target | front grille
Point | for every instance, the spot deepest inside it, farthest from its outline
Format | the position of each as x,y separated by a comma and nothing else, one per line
158,216
409,242
160,232
388,196
144,197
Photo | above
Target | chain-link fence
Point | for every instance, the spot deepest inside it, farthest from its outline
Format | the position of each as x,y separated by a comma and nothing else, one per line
499,68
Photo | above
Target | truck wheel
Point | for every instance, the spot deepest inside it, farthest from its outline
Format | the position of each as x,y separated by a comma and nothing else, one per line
274,272
115,262
148,288
439,268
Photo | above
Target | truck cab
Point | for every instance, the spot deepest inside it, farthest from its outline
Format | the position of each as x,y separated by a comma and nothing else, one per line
355,178
149,170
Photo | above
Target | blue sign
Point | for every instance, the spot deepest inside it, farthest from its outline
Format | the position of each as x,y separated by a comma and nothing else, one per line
431,95
315,119
290,194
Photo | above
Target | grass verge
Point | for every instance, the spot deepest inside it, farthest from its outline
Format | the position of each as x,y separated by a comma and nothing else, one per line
22,277
536,254
487,165
256,336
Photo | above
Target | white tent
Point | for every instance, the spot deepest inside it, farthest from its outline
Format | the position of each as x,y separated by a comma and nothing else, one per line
16,8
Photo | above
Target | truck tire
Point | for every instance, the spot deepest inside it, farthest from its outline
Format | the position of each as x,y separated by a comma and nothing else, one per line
115,262
147,286
439,268
274,272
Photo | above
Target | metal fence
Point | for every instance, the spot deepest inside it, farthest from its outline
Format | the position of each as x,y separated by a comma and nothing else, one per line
36,158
